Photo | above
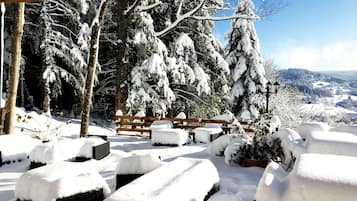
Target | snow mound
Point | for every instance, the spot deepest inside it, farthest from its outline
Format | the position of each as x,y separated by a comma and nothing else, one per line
336,143
16,146
169,136
305,129
181,115
231,151
217,147
137,164
315,177
59,180
183,179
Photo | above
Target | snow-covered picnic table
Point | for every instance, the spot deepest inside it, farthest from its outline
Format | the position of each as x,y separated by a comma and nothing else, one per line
61,180
316,177
208,133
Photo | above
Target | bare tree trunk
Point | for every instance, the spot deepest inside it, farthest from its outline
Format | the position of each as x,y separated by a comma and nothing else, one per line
94,45
122,76
46,97
14,68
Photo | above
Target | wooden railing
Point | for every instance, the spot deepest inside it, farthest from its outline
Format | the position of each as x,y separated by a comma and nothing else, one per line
141,124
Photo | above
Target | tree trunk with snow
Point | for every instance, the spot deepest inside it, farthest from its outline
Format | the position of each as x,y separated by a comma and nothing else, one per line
14,69
122,76
94,46
46,97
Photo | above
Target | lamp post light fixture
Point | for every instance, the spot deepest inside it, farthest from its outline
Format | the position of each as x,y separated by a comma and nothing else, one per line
269,90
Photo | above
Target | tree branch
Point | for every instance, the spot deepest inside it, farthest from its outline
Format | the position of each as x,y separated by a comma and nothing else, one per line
180,19
131,7
224,18
149,7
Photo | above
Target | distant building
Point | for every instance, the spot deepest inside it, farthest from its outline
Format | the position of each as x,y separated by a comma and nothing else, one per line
348,103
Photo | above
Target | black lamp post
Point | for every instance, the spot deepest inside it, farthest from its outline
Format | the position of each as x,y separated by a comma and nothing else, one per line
269,90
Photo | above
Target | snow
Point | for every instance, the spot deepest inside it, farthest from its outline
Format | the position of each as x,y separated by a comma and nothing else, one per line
160,124
336,143
203,134
58,180
183,179
16,147
181,115
305,129
348,129
138,164
217,147
65,149
169,136
315,177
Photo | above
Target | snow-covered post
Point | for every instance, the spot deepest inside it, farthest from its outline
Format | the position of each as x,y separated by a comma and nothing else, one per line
93,56
245,62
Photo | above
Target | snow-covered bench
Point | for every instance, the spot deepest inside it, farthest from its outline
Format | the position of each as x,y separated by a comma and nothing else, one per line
132,167
306,129
183,179
208,133
69,149
63,181
316,177
15,148
169,136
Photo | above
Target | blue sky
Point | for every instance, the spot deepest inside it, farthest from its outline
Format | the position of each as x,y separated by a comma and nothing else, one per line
319,35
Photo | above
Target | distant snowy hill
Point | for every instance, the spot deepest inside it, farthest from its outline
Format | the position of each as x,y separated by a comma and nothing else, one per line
322,84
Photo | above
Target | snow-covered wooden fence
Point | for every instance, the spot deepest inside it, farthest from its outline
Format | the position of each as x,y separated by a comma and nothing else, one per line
141,124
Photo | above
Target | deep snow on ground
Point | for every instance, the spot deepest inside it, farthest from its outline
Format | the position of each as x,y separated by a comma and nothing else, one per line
236,183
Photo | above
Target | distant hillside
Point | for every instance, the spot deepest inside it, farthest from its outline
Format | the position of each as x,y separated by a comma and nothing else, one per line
345,75
318,83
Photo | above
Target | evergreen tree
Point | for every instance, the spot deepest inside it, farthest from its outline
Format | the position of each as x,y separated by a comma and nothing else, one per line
246,63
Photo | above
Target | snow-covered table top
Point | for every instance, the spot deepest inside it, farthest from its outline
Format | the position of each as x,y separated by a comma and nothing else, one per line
58,180
183,179
305,129
169,136
66,149
161,124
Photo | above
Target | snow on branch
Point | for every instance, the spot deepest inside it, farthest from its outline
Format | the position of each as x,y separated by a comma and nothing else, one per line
149,7
131,7
180,19
225,17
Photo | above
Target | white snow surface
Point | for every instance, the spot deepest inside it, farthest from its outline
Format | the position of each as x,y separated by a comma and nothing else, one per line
291,142
183,179
169,136
58,180
181,115
305,129
16,146
138,164
315,177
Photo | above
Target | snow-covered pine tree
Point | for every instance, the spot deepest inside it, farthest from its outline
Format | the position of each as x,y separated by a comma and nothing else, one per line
246,63
64,47
149,75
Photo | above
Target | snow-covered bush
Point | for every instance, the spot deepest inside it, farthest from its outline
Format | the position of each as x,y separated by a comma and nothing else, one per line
262,146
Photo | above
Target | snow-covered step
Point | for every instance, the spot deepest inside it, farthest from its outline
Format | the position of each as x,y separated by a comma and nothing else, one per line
316,177
183,179
63,180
